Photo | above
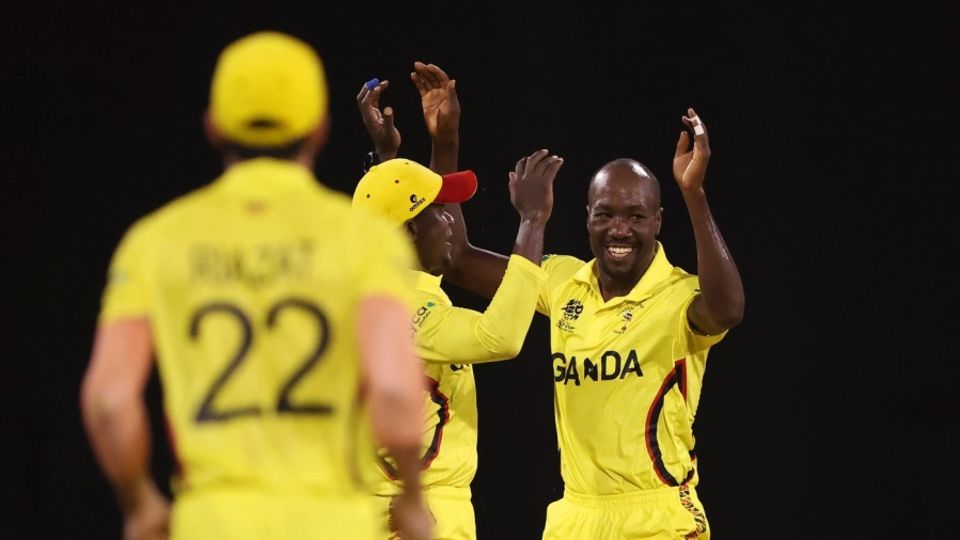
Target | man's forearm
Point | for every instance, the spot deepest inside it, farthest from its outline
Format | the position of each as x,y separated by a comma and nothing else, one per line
720,283
477,270
529,242
408,467
444,156
119,431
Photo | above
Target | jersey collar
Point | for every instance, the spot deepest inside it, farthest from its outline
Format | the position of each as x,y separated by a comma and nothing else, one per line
262,176
659,270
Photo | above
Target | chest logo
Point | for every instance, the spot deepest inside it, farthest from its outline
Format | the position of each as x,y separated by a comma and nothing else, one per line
572,310
611,366
626,315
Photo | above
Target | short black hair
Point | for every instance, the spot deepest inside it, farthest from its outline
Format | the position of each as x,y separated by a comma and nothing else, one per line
287,151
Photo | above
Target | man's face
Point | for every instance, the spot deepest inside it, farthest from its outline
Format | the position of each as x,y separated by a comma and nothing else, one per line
433,233
623,221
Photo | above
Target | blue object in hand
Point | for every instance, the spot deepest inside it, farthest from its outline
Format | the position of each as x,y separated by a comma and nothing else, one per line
372,83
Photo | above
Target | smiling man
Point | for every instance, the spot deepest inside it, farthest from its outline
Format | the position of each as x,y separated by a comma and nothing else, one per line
630,334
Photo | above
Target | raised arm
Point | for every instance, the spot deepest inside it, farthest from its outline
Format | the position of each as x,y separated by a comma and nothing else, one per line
475,269
531,193
480,270
379,123
448,332
441,113
118,426
720,304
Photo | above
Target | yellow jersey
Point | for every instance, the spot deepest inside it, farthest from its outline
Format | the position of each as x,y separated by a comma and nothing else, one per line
449,339
251,286
627,377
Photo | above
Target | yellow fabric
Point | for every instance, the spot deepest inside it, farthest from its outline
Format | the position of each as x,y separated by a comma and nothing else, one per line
268,89
627,377
239,514
450,507
449,339
263,270
397,189
448,334
661,514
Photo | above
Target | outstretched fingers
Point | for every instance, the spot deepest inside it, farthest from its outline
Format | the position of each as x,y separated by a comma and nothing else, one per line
521,167
535,161
419,83
551,165
430,74
370,96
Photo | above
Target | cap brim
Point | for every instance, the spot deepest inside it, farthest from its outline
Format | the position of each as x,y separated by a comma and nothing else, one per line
457,187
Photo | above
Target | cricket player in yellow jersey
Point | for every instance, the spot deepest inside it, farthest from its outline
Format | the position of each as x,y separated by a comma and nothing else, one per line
630,334
275,312
449,339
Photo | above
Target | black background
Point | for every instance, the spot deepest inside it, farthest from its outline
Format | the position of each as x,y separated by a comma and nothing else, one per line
828,413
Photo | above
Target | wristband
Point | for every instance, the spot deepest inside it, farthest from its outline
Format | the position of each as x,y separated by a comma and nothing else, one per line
372,158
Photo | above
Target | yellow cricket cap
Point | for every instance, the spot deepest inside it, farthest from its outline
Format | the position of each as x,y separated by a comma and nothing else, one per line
268,89
399,189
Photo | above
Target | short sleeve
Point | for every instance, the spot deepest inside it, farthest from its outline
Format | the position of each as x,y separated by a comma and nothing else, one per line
448,334
385,260
126,294
695,341
559,269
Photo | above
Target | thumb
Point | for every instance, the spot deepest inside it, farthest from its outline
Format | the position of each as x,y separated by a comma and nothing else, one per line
388,118
452,92
683,143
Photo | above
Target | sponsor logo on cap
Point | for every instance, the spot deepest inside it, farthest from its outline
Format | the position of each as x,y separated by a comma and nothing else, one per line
416,202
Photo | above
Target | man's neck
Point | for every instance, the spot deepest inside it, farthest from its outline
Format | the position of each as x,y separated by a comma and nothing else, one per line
304,160
611,287
614,286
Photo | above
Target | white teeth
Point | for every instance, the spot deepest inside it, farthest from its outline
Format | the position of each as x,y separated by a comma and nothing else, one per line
619,251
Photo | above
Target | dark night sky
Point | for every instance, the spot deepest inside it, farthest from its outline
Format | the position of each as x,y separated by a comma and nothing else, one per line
832,133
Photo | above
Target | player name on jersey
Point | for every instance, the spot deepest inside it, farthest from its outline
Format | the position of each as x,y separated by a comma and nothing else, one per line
611,367
256,264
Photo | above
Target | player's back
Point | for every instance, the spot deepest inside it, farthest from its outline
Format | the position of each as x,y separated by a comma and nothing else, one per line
252,284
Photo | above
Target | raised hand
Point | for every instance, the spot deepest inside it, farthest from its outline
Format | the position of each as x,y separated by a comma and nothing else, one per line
438,96
690,166
379,124
531,185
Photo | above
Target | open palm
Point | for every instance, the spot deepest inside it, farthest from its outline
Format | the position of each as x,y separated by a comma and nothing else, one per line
438,96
